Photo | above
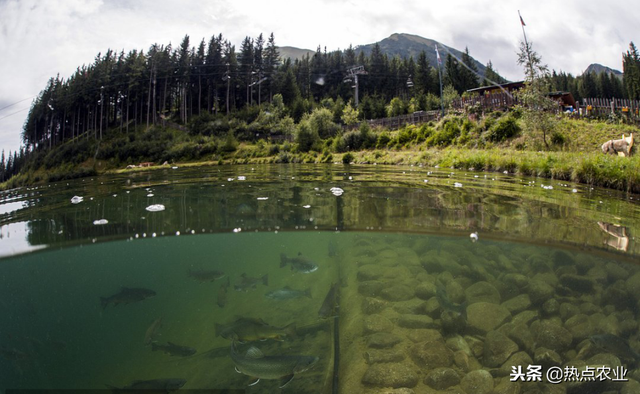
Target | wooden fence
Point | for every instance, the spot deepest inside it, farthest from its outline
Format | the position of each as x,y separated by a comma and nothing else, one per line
486,102
605,107
399,121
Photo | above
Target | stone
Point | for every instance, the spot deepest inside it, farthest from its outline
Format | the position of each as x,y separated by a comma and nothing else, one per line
598,274
506,386
578,283
455,292
482,292
373,305
552,335
416,321
425,290
631,387
547,358
497,349
580,327
397,293
518,304
551,307
589,308
392,375
431,307
370,272
615,272
561,258
375,356
520,334
465,362
371,288
483,317
475,344
477,382
425,335
567,310
517,359
442,378
525,317
457,343
377,323
516,280
382,340
412,307
539,292
432,355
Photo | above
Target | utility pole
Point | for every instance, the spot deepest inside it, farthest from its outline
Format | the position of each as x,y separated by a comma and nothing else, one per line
440,78
352,75
227,76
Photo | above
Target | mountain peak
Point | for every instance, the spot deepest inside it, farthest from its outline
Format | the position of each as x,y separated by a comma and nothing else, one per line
599,68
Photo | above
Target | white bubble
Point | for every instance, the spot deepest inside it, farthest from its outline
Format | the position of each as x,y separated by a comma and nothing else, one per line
76,199
457,184
263,198
306,206
100,222
155,208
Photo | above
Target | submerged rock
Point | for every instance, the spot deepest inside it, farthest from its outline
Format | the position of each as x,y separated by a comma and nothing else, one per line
416,321
383,340
482,292
552,335
477,382
581,284
432,355
371,288
425,290
390,375
497,349
373,305
377,323
483,317
442,378
397,293
547,358
518,304
425,335
539,292
375,356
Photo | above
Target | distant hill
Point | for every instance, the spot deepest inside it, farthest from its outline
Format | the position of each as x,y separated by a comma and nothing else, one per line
409,45
294,53
599,68
403,45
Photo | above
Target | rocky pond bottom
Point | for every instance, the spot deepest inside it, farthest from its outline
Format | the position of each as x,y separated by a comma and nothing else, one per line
427,315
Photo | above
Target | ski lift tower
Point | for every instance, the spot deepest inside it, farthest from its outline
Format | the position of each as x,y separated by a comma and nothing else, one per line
352,75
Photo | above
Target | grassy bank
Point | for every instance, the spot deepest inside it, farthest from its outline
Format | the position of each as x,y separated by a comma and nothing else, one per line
498,142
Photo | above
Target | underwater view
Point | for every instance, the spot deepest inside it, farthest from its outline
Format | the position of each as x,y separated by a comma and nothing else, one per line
319,279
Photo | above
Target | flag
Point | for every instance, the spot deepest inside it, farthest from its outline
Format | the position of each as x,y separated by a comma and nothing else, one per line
438,56
521,21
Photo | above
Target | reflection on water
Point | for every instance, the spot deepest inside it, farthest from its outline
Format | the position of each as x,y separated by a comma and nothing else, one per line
261,258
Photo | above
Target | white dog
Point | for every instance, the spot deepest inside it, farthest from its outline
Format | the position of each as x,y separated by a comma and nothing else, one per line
621,147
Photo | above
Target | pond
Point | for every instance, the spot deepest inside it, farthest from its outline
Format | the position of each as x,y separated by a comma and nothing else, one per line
319,279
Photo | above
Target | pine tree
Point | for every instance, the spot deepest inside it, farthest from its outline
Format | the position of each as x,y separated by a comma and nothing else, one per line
631,70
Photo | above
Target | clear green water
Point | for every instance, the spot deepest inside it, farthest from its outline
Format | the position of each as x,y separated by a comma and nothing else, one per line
394,237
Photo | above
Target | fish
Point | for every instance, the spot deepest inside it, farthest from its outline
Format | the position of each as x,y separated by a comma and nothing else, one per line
160,385
127,295
615,345
222,293
152,331
174,350
205,275
287,293
333,249
13,354
247,282
330,303
248,329
299,263
255,364
447,305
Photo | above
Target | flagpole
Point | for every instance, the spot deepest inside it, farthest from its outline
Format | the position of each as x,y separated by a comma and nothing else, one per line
526,45
440,78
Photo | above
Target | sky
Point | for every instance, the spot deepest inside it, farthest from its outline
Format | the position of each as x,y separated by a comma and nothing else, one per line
41,39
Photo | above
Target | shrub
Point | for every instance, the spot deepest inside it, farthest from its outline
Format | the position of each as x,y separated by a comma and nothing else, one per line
383,140
306,137
505,128
347,158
